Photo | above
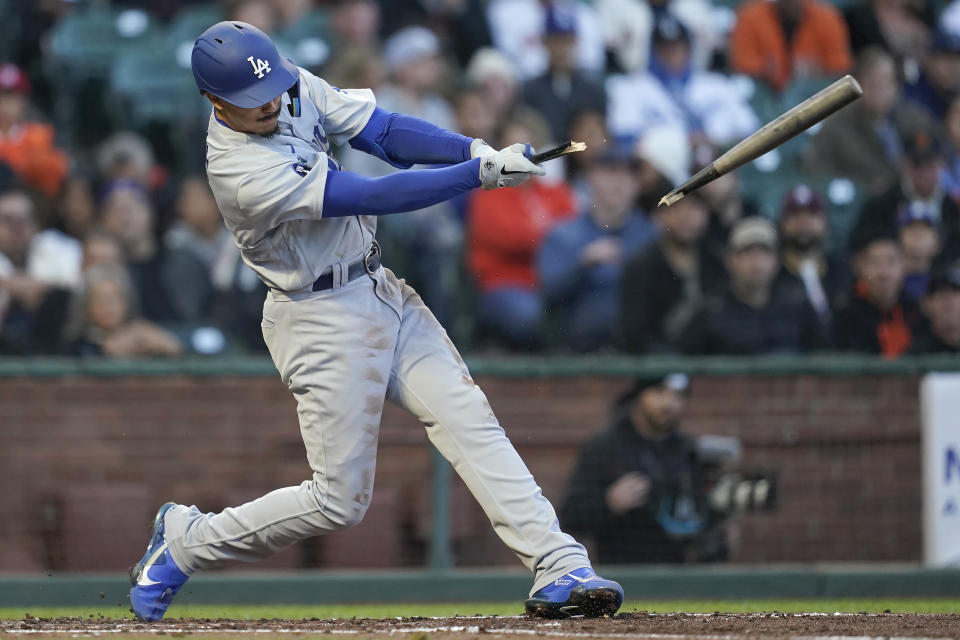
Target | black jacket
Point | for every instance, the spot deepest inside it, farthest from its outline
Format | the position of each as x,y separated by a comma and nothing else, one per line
654,303
638,535
860,326
787,324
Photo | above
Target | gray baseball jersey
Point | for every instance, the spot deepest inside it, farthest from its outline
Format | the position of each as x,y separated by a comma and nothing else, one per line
343,352
270,189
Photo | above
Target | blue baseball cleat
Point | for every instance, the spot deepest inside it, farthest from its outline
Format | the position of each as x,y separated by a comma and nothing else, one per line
578,593
156,578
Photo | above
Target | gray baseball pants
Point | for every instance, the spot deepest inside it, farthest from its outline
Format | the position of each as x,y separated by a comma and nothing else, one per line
342,352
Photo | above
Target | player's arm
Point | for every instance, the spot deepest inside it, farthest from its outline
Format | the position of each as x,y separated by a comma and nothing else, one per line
404,141
348,194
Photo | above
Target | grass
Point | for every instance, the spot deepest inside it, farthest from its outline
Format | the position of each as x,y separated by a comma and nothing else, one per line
325,611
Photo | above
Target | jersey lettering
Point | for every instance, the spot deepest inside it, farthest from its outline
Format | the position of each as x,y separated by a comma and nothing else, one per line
260,67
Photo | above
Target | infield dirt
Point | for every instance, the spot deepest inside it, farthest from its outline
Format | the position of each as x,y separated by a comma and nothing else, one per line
627,625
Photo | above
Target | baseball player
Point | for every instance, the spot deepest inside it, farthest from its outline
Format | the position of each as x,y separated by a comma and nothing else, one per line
343,331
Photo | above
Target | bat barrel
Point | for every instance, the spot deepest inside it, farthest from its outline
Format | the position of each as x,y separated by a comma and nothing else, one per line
774,133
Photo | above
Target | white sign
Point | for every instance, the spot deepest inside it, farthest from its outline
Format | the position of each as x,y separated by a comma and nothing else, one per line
940,409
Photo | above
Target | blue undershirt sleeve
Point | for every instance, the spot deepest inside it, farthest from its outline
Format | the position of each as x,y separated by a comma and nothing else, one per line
404,141
348,194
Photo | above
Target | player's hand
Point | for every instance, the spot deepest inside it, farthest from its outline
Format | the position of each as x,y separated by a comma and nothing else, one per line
629,492
507,168
479,147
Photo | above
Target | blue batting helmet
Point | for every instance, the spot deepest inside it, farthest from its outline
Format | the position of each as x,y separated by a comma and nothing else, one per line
239,63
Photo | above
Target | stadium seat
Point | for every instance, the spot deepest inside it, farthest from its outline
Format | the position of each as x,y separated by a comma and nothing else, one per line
190,22
85,43
147,84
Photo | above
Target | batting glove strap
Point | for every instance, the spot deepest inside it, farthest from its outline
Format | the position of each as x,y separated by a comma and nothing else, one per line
508,167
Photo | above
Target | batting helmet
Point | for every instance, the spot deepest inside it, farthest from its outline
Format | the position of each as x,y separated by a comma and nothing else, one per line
238,63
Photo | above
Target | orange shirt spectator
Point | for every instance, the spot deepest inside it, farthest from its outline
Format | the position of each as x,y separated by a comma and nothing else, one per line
505,229
27,146
817,43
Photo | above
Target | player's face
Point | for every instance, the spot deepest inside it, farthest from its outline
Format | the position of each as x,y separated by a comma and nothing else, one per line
261,120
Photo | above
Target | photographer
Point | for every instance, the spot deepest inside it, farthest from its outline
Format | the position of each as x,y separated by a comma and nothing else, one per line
642,489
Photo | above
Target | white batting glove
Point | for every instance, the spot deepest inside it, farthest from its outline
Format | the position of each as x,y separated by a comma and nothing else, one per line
507,168
480,148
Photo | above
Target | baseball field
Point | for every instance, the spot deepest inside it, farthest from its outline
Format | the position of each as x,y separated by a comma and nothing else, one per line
674,620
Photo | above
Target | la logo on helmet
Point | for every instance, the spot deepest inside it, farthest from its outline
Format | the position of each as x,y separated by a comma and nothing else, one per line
260,67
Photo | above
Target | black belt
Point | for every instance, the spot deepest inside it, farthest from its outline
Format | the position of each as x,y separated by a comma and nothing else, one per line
368,264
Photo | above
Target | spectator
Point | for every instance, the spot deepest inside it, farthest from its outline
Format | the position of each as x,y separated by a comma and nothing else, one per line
638,488
259,13
628,26
463,22
356,24
128,156
672,91
37,271
588,126
781,40
127,213
663,286
862,141
900,27
724,202
876,317
517,26
563,90
921,167
803,259
506,227
950,175
27,147
474,118
101,248
105,323
665,159
920,238
753,316
192,245
77,210
580,261
941,305
493,73
939,78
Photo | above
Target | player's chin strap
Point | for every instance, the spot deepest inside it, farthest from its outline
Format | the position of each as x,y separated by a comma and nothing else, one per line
294,93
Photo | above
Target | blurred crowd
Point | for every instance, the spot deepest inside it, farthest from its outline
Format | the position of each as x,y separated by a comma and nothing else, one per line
846,238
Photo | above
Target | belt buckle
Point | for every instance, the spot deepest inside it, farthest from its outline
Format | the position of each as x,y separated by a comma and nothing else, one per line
368,260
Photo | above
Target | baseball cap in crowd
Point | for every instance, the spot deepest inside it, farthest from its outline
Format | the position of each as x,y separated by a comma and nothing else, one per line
408,45
675,381
922,146
917,212
559,21
668,28
944,280
801,198
752,232
12,78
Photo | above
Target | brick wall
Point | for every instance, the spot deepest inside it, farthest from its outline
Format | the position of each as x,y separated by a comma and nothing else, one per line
84,462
